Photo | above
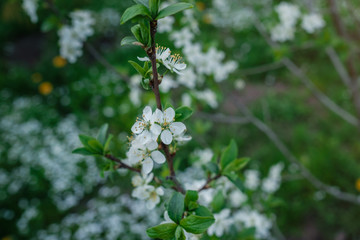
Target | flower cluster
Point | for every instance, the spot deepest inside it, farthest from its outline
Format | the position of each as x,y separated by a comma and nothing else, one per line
172,62
289,14
147,130
146,192
73,36
30,7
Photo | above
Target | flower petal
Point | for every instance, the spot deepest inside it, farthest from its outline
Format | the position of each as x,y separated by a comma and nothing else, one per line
147,166
155,129
160,191
166,137
147,113
144,59
158,157
180,66
152,145
157,117
169,115
138,127
177,128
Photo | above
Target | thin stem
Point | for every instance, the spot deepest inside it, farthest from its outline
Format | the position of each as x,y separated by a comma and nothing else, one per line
121,164
209,180
155,87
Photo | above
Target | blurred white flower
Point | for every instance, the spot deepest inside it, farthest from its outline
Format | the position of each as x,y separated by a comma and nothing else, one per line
165,24
237,198
30,7
252,179
312,22
273,181
182,38
222,223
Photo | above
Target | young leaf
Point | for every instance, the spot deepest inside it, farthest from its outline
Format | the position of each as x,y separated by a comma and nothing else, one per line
143,2
136,30
85,140
229,154
82,151
101,137
134,11
196,224
128,41
203,211
236,165
179,233
212,167
138,68
107,144
183,113
191,196
162,231
96,146
176,207
154,7
172,9
145,83
235,180
218,202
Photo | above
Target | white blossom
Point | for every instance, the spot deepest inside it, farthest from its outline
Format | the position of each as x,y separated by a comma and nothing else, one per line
252,179
30,7
222,223
312,22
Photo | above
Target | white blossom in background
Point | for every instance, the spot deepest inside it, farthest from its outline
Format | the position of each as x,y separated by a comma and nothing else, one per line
237,198
72,37
288,14
252,218
135,91
204,156
168,83
273,181
165,24
30,7
252,179
312,22
208,97
222,223
182,38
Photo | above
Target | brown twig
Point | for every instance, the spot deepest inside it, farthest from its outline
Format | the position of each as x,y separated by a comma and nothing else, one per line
208,181
121,164
151,52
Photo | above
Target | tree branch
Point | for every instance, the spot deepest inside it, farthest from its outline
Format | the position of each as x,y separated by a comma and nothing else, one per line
121,164
155,87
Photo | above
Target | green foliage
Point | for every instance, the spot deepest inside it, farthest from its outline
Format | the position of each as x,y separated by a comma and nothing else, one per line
197,224
218,202
173,9
162,231
182,113
176,207
154,7
190,199
134,11
229,155
128,41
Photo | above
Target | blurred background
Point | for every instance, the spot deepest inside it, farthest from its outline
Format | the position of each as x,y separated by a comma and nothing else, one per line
280,77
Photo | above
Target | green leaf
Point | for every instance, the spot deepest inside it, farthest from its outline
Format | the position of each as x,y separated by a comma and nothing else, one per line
101,137
197,224
82,151
129,40
49,24
192,205
136,30
154,7
134,11
172,9
107,143
143,2
218,202
235,180
162,231
176,207
145,83
179,233
203,211
145,32
191,196
85,140
229,154
182,113
96,146
236,165
212,167
138,68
